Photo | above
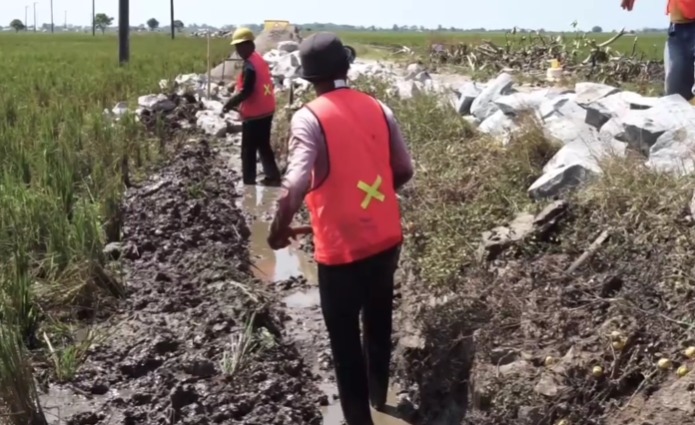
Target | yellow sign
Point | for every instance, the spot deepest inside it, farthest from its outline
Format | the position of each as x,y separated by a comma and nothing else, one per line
273,25
371,192
266,90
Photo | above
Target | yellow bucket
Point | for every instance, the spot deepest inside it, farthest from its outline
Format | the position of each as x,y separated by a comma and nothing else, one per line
554,63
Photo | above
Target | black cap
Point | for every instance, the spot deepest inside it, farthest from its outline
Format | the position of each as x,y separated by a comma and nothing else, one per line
323,56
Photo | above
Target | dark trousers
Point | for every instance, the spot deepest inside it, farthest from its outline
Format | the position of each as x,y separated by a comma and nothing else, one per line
361,367
255,137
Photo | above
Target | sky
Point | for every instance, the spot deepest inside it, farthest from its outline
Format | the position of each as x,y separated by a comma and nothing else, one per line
547,14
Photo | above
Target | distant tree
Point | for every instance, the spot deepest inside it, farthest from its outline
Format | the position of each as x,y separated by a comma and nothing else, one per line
395,27
17,25
596,29
102,21
179,25
153,24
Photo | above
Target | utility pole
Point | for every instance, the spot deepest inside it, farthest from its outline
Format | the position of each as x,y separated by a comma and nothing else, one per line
35,16
94,21
123,30
66,21
173,30
26,20
52,26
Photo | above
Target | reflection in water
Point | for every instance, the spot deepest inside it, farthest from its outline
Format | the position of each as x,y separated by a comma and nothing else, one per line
272,265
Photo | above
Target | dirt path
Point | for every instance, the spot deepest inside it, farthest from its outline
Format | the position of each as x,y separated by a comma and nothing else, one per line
168,353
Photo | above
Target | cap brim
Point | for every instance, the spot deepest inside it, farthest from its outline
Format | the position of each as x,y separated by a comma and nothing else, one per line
235,42
299,73
352,54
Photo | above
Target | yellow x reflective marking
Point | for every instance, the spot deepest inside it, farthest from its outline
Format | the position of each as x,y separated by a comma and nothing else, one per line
267,90
371,192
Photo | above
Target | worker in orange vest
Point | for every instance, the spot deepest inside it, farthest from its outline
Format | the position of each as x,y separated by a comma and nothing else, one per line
255,100
679,52
347,159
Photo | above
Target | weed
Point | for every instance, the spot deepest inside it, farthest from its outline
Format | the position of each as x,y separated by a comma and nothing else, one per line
243,344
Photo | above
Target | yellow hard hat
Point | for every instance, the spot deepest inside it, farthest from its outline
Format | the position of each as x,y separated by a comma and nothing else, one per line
242,35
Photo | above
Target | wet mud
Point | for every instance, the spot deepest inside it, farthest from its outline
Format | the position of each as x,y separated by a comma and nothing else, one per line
168,354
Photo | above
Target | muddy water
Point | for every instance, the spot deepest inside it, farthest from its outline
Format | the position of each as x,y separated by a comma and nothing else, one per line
272,266
303,304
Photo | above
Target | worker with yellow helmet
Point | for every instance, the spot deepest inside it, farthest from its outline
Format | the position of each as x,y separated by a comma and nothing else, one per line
254,98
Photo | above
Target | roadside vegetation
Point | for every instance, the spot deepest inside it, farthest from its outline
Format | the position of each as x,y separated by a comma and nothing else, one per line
61,184
652,43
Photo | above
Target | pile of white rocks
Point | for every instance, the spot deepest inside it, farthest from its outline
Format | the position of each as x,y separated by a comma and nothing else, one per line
592,121
284,64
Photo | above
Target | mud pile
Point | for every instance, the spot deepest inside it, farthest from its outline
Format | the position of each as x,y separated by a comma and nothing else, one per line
169,114
170,352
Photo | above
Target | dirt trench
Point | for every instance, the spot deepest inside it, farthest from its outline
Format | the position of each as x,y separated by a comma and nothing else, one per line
167,353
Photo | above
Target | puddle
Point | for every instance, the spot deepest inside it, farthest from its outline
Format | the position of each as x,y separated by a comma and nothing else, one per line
59,403
304,299
333,414
307,327
272,266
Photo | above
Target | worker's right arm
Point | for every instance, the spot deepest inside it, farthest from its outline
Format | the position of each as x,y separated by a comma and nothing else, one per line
304,150
401,162
627,4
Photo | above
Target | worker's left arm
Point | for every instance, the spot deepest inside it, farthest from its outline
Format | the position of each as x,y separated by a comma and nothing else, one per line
401,162
249,81
303,152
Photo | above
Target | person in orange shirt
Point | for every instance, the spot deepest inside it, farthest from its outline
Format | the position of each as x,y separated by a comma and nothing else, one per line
255,100
679,52
347,159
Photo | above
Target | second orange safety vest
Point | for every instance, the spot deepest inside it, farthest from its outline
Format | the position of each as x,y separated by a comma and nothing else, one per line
354,211
686,8
262,101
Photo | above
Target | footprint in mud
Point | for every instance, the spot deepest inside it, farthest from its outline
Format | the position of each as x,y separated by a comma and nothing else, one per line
293,274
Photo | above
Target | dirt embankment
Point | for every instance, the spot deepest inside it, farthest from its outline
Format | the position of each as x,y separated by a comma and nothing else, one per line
567,324
196,341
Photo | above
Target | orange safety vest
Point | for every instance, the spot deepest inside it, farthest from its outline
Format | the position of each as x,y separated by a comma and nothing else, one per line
685,7
261,103
354,211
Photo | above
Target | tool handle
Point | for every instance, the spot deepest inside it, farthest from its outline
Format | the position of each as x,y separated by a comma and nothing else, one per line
301,230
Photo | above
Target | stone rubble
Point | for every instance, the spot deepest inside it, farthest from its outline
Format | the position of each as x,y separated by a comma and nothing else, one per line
591,121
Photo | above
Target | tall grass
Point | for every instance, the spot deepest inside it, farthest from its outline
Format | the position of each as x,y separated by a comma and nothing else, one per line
651,44
60,181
